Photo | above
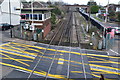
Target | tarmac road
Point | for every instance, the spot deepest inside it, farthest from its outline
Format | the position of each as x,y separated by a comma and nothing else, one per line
66,64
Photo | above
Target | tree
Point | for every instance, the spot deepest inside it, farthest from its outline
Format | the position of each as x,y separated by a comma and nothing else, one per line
94,9
118,16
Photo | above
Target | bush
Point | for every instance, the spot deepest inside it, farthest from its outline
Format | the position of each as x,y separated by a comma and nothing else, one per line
118,16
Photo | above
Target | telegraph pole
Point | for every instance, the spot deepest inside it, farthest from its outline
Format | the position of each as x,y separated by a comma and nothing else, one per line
106,18
89,17
20,21
10,17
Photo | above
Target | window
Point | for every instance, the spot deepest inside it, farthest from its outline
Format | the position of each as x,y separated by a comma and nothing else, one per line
40,16
22,16
30,16
35,16
45,16
27,16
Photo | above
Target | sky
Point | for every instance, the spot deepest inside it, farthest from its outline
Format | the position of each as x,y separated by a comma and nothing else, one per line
102,2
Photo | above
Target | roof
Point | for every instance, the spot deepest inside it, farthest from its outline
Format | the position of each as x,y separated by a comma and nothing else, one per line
36,4
36,9
1,1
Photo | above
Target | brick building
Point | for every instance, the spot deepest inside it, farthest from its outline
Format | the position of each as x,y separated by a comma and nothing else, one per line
35,22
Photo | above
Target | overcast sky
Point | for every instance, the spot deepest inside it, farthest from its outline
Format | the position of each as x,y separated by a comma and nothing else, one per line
102,2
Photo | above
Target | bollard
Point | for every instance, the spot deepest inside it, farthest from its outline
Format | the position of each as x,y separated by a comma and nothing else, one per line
102,77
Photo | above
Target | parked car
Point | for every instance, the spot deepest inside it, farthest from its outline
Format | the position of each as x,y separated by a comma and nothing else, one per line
5,26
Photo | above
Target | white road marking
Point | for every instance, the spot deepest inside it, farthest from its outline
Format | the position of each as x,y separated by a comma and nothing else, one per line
114,51
108,53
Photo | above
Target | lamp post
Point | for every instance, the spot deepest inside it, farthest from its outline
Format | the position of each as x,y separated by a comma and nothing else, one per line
10,17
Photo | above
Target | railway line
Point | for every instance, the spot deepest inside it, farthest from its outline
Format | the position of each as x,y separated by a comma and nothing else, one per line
64,36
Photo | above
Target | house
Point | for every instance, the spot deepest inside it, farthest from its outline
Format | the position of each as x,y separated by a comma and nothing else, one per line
117,8
8,13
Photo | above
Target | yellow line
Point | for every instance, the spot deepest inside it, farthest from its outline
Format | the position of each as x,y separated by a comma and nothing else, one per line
102,55
41,73
101,73
76,71
17,54
66,51
104,66
17,59
5,44
61,59
86,73
105,71
96,75
35,54
26,48
14,59
104,62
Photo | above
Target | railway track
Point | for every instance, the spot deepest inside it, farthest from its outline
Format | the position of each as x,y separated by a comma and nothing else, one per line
77,26
40,60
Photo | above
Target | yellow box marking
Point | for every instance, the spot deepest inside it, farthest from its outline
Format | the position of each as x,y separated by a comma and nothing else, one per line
35,54
76,71
17,59
41,73
60,62
26,48
17,54
64,51
104,62
14,59
105,71
104,66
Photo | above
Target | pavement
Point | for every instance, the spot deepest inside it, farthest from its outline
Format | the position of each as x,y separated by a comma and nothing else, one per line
57,62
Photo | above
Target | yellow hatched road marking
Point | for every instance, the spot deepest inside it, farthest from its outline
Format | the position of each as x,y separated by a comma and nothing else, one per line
66,51
35,54
104,62
101,55
26,49
61,59
17,54
76,71
41,73
5,44
14,59
17,59
60,63
86,73
105,71
104,66
96,75
101,73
